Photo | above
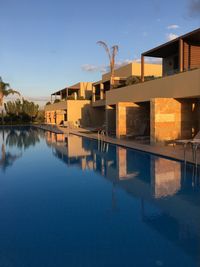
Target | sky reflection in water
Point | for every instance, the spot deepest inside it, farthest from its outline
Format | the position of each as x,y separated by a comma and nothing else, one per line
71,201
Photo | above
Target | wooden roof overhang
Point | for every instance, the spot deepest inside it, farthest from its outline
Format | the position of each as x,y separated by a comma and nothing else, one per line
172,47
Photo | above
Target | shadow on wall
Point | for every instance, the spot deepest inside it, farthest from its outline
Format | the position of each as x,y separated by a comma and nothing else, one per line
190,117
111,119
138,120
92,117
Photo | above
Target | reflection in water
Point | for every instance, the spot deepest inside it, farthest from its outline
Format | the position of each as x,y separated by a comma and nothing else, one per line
170,188
21,138
123,206
165,177
7,159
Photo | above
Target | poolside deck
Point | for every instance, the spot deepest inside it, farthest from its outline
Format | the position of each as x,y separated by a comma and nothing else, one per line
176,153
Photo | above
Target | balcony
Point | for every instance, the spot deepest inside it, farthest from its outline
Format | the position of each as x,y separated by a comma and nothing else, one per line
182,85
56,106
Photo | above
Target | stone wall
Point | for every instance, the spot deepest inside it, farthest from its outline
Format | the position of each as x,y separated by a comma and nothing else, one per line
132,119
173,119
92,117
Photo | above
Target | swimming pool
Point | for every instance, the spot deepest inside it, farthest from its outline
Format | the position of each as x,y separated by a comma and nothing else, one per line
72,201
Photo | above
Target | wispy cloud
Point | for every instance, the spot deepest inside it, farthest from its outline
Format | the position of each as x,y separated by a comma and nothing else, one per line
194,8
118,64
150,60
40,100
173,27
29,98
171,36
103,69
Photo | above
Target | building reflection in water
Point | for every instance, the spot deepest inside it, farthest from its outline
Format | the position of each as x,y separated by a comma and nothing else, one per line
169,187
165,177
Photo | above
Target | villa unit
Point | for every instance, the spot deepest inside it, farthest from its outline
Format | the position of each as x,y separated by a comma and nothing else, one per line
123,76
166,108
130,73
72,105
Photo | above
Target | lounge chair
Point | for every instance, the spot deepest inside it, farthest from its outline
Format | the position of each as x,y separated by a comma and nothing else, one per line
69,124
195,142
186,142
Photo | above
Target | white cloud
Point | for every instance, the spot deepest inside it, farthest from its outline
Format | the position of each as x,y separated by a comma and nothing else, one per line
150,60
171,36
103,69
93,68
119,64
172,27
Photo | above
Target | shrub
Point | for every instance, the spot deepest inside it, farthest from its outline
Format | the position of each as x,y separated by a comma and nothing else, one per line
70,97
132,80
80,98
56,101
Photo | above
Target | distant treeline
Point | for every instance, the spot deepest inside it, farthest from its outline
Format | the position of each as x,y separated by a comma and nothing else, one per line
22,111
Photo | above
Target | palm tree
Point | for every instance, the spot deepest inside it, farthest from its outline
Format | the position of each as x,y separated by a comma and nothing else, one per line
112,52
5,90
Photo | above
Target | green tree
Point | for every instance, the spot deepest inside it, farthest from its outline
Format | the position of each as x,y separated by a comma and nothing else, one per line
30,109
23,110
112,52
33,110
10,108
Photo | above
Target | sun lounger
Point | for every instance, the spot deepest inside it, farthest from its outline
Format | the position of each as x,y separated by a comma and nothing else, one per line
195,143
186,142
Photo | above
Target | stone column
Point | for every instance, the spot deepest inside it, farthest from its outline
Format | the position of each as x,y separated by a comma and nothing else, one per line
101,91
142,68
180,55
120,120
93,94
165,120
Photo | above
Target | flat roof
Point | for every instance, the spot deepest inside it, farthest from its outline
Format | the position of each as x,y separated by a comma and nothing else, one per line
72,87
62,90
172,46
98,82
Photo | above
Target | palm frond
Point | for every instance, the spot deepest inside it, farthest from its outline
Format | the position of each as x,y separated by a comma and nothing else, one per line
4,86
11,92
105,46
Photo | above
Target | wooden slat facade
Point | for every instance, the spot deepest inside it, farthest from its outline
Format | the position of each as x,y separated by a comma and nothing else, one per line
191,57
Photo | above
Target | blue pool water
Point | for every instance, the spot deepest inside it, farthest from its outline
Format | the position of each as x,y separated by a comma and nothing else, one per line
71,201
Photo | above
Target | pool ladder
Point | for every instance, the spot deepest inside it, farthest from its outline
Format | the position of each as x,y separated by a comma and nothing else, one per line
102,145
101,135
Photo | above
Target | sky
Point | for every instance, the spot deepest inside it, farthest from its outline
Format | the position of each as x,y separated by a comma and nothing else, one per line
47,45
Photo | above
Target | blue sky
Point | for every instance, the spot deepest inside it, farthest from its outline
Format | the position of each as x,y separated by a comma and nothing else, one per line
49,44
